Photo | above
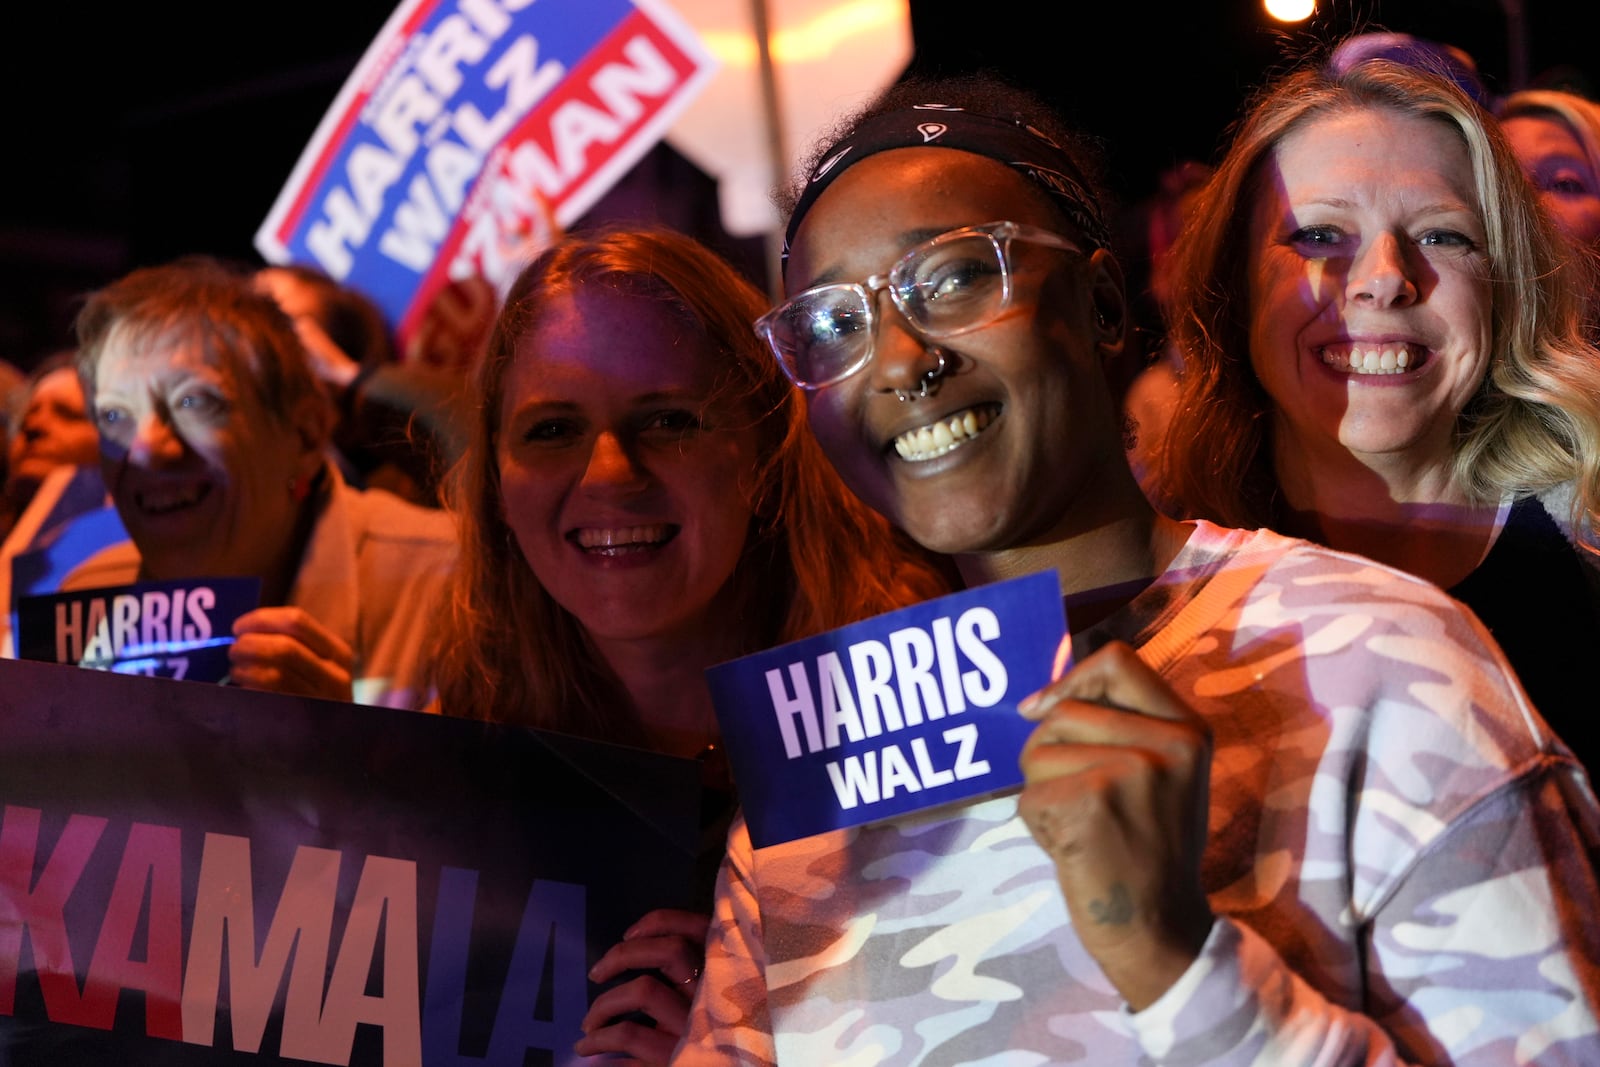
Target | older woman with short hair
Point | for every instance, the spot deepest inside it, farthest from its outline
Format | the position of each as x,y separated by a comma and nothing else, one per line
214,444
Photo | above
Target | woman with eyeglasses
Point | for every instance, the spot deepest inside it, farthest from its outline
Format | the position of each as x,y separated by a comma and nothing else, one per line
1283,802
637,502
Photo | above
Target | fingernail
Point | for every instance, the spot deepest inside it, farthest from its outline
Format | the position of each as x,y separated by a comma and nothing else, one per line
1034,706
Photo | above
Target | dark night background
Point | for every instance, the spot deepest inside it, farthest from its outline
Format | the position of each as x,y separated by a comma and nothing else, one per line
145,131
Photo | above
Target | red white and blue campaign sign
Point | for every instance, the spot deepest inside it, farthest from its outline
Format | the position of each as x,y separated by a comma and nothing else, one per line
900,712
170,629
469,131
199,875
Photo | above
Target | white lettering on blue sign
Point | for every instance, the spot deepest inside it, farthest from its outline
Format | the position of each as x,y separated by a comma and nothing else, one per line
915,677
875,775
408,114
412,99
98,631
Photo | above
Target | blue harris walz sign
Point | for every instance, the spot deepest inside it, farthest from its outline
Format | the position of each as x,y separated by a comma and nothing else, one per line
901,712
178,629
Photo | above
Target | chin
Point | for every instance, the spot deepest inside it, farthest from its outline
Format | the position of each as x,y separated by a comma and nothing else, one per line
1383,440
174,563
945,535
31,470
162,569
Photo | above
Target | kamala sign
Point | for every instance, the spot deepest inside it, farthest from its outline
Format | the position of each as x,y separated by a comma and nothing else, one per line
193,875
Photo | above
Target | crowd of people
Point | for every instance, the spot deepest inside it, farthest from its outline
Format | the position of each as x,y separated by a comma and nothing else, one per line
1313,786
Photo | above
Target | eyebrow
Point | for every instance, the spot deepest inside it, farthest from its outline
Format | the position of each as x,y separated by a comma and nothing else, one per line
675,395
909,239
165,380
1433,207
1564,159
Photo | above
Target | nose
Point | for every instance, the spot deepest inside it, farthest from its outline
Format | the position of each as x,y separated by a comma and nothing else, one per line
612,466
155,442
901,356
1381,275
33,421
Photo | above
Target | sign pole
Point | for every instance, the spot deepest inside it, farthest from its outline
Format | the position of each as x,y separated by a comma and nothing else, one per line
775,140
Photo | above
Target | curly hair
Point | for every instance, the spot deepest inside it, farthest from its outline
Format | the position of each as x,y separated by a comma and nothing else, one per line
1534,422
981,92
815,558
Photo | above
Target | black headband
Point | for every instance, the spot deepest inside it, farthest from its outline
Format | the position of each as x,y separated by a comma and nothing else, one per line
1020,147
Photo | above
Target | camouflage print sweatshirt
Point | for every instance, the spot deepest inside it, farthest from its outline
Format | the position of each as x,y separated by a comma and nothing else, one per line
1402,859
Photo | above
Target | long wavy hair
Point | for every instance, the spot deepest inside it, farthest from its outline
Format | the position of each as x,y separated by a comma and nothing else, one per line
1534,422
815,557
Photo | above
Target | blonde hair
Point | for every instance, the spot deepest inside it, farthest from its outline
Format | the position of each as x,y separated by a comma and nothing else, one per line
1581,117
815,559
1534,422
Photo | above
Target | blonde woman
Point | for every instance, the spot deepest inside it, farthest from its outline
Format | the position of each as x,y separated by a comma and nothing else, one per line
1384,353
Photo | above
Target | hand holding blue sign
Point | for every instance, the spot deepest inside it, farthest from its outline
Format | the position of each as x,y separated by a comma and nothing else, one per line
1117,781
285,650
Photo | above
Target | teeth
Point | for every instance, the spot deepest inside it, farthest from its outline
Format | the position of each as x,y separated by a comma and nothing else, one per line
930,442
623,538
1388,359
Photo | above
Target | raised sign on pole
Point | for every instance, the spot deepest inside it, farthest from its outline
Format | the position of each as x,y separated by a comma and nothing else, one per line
469,132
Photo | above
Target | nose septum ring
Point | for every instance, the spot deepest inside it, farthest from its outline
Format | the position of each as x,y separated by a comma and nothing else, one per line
928,384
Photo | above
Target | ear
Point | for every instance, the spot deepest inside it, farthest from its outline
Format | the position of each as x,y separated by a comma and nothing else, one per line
312,421
1108,299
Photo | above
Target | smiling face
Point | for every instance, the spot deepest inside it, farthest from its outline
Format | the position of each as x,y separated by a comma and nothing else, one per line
621,475
1370,301
1035,429
1563,174
199,471
54,429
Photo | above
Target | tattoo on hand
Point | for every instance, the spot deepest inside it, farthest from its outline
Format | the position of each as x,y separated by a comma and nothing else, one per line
1118,911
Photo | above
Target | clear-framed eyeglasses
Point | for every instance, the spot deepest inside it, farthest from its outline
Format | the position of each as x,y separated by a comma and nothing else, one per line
956,282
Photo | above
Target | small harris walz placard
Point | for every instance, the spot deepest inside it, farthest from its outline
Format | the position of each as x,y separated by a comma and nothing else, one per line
901,712
172,629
